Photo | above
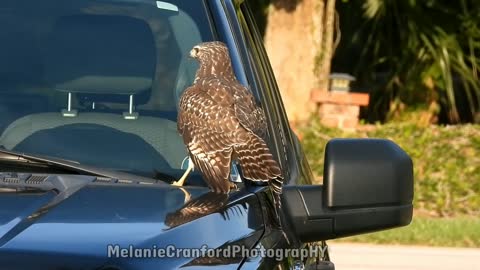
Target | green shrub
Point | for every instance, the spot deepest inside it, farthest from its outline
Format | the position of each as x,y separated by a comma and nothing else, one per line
446,161
445,232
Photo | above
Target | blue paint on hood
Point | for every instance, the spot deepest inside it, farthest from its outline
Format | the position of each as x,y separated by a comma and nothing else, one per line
76,233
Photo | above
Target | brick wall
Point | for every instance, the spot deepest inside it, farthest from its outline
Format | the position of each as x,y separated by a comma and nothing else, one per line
339,109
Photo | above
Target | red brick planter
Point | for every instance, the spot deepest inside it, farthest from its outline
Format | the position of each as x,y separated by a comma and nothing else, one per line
339,109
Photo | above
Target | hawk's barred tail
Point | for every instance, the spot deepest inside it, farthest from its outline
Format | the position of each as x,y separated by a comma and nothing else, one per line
256,161
258,164
276,185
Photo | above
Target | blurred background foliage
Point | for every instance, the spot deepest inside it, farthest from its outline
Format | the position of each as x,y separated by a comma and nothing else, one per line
420,55
418,60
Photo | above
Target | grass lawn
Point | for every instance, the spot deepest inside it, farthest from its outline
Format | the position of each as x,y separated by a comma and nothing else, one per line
426,231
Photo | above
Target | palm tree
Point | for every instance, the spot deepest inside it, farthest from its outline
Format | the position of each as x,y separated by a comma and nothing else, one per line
428,48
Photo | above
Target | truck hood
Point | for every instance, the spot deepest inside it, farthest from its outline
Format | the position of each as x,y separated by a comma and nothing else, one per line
100,225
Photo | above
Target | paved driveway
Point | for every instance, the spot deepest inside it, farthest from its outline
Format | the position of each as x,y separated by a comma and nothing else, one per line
373,257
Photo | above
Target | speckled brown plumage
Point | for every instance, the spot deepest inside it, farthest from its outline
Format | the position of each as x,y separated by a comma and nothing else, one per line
220,121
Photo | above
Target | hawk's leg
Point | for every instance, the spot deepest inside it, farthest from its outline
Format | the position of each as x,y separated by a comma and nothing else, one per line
181,181
188,197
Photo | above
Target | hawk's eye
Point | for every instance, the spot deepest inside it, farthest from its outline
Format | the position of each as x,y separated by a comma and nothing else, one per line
195,52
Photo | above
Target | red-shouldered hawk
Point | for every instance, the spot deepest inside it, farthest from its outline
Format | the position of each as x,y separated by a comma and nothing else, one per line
219,121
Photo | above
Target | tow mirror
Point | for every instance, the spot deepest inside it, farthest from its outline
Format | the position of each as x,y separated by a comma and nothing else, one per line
368,186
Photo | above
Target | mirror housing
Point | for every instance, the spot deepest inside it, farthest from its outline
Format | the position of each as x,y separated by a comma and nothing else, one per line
368,186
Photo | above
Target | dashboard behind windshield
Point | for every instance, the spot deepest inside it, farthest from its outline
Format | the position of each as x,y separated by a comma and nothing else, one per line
98,81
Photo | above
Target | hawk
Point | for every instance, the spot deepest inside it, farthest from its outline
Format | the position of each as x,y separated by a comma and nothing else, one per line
220,121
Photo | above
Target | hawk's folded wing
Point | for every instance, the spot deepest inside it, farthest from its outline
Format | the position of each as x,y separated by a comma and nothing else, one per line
208,125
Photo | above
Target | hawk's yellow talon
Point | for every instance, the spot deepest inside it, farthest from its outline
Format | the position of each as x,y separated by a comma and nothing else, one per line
181,181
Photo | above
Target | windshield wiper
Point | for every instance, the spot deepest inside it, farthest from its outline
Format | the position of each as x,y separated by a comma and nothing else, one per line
67,165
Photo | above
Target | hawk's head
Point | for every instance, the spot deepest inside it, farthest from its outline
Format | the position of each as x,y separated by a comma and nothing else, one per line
210,51
214,60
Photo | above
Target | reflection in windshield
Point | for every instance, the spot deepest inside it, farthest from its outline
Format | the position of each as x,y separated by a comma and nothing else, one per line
98,81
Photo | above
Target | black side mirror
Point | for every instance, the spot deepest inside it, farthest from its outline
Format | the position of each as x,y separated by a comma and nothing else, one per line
368,186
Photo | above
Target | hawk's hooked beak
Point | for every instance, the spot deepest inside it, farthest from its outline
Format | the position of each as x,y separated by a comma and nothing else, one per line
194,52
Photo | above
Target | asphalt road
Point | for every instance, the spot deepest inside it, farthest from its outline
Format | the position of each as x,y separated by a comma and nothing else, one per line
375,257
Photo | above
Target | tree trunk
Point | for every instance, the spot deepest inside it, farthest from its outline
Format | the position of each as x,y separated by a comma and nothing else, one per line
326,53
318,37
289,40
299,40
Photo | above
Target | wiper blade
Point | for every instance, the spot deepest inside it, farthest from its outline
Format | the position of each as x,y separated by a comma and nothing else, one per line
67,165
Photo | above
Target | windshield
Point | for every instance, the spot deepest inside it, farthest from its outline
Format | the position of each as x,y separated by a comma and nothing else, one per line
98,81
